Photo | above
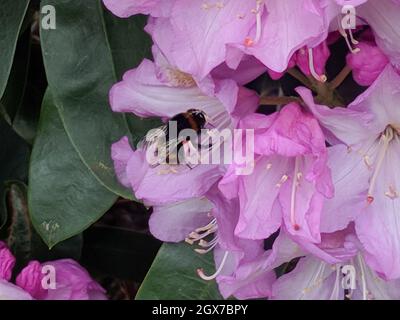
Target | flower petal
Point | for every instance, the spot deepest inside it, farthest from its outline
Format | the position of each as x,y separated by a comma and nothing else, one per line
378,227
8,291
338,122
383,17
381,100
127,8
350,175
204,36
174,222
312,279
260,215
287,27
7,262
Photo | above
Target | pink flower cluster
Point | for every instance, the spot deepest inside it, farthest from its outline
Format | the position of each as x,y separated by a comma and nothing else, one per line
71,281
325,185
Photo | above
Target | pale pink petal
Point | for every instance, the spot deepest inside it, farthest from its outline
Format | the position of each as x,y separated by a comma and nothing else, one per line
174,222
8,291
378,227
260,215
312,279
204,36
287,27
381,99
338,122
383,17
127,8
350,174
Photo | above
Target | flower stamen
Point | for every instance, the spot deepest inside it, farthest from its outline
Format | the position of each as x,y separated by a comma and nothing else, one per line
282,181
346,37
322,78
202,275
386,138
353,41
200,234
295,183
392,193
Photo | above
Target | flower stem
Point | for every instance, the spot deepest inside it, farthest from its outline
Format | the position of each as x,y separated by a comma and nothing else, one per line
274,101
340,77
300,77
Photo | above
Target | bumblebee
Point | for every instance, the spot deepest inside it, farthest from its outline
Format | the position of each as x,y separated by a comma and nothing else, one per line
167,145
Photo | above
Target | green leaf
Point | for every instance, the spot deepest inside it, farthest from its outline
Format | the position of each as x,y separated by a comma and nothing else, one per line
128,52
64,196
173,276
12,15
14,158
22,239
129,43
81,69
14,93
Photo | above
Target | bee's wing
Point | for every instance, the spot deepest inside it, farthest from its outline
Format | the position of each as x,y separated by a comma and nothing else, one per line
162,151
153,136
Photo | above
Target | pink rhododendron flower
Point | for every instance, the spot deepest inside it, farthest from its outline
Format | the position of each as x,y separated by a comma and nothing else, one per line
316,279
139,93
368,165
325,178
72,282
290,179
7,262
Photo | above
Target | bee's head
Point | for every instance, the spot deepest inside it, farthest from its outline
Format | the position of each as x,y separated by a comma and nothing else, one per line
199,116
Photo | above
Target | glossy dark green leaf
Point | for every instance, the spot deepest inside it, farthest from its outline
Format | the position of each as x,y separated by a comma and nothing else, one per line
27,115
173,276
128,52
64,196
14,93
128,41
12,15
14,161
80,69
